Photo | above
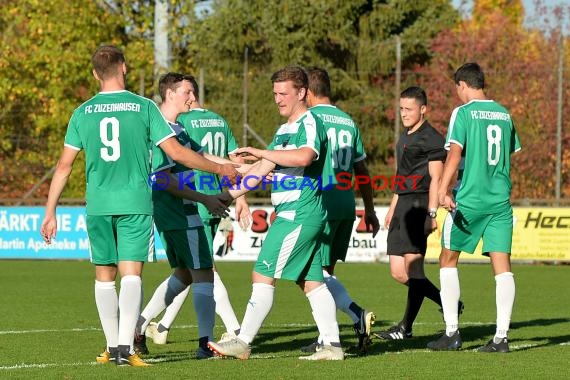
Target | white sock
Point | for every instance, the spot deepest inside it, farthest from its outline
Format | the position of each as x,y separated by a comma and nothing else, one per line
450,293
173,309
258,307
340,296
205,307
223,306
505,299
107,303
324,313
162,297
129,308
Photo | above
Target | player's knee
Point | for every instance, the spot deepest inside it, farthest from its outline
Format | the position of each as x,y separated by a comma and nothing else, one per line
400,277
448,258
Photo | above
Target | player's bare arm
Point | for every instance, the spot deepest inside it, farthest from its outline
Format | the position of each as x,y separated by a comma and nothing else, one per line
62,172
253,177
300,157
191,159
390,213
449,171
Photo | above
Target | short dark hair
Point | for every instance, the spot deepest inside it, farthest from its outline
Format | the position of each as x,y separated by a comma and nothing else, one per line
295,74
171,81
472,74
106,60
416,93
319,82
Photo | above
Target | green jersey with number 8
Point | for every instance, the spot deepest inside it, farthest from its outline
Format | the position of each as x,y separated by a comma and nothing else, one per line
485,131
117,129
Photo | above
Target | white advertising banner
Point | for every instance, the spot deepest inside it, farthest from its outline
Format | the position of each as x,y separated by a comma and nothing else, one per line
245,245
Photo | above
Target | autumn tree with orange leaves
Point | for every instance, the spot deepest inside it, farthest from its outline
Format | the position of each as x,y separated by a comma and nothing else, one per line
521,73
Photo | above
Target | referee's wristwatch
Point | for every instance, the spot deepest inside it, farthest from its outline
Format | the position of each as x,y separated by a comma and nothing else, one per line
432,212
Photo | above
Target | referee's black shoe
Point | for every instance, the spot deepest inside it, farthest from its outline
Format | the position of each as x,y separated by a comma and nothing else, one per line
396,332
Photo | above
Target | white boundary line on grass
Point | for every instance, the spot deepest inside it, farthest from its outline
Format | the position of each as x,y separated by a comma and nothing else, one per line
158,360
48,365
8,332
255,357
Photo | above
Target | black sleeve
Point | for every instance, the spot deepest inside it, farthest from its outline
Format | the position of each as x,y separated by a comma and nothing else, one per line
435,147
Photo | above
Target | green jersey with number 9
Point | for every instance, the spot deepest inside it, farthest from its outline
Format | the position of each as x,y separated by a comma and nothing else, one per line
117,129
213,133
485,132
344,149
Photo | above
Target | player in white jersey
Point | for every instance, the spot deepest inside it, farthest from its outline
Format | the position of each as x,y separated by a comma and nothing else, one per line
291,249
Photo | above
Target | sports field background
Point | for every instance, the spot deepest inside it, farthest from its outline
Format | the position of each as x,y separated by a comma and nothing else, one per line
50,328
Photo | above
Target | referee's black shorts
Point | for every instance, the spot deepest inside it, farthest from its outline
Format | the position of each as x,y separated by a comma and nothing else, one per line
407,231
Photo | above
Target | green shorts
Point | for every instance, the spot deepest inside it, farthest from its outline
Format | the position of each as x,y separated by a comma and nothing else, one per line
335,240
187,248
291,251
115,238
462,231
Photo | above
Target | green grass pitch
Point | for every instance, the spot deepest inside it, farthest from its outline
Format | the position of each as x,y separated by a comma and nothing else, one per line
50,330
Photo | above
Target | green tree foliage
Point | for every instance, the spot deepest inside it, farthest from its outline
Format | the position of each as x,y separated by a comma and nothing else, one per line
45,73
354,40
45,70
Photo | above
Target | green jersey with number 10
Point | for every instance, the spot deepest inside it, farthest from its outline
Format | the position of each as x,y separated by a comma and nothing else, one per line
213,133
485,131
117,129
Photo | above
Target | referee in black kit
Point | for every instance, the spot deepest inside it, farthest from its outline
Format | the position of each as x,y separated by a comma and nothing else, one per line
420,154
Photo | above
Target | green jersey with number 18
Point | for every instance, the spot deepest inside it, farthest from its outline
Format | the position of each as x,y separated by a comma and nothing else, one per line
117,129
213,133
344,149
485,132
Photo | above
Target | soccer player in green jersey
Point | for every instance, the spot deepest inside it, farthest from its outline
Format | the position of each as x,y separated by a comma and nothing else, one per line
180,226
213,134
290,250
480,139
345,155
117,129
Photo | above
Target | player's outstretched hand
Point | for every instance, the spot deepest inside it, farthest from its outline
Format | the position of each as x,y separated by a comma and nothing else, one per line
243,215
250,154
229,172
